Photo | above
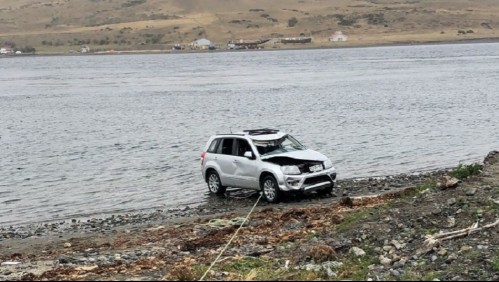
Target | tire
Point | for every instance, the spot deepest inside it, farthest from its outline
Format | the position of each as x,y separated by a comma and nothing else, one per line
327,191
214,183
270,189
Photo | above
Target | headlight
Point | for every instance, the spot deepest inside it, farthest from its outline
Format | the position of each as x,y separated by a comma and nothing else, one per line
290,169
328,164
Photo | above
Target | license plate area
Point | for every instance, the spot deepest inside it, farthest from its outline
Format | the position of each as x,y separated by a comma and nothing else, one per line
315,168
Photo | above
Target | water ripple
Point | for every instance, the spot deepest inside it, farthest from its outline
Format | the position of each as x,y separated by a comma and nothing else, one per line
96,135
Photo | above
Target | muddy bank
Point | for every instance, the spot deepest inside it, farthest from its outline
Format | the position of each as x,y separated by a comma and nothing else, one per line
378,232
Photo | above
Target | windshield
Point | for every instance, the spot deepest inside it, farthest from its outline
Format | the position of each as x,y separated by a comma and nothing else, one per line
282,145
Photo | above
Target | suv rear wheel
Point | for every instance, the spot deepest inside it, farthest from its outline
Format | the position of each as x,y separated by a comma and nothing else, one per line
214,183
270,189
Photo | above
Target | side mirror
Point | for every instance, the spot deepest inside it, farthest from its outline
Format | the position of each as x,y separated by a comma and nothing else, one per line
248,154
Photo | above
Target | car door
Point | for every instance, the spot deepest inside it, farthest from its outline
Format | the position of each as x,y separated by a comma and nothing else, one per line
225,159
246,169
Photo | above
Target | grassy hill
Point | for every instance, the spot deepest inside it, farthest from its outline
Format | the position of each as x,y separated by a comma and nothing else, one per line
63,25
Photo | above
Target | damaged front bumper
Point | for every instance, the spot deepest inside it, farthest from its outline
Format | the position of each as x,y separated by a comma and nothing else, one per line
308,182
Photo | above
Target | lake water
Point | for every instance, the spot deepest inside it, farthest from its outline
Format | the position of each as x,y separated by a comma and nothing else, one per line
89,135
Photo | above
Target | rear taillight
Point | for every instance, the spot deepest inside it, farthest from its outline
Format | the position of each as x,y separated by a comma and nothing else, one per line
203,154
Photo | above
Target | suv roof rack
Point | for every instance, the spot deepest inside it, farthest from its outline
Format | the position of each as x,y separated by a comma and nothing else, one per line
261,131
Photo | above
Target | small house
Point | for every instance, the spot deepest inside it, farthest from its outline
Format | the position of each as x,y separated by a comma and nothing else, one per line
6,50
85,49
338,37
202,43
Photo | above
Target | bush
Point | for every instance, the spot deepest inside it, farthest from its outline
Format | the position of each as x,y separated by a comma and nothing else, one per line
464,171
347,22
376,18
26,50
292,22
132,3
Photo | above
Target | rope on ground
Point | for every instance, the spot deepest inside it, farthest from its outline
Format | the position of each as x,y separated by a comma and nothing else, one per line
231,239
241,195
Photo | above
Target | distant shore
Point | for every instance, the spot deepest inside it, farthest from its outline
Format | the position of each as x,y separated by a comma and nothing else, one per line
288,47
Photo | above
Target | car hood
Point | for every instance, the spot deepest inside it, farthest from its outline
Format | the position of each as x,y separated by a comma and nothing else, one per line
308,155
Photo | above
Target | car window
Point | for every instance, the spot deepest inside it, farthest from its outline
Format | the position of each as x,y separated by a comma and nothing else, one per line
213,146
226,147
282,145
242,147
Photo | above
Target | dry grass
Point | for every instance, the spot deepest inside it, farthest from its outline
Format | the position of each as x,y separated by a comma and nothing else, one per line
126,25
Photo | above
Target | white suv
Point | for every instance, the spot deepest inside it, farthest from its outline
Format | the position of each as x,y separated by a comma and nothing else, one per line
265,160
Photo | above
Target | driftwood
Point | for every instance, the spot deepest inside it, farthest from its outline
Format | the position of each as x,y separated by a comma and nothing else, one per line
376,199
435,240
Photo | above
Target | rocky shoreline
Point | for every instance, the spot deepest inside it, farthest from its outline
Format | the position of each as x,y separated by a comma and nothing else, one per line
233,201
374,229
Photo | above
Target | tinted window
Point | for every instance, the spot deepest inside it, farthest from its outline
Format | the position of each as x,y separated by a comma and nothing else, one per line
242,147
213,146
226,147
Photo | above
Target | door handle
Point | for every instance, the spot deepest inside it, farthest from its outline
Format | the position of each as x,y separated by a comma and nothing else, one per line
235,161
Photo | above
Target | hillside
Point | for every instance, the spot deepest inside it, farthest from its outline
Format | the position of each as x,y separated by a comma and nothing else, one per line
62,25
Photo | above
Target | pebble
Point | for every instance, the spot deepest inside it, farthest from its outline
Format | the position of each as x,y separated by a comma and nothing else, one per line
357,251
442,252
397,245
452,201
471,191
384,260
395,273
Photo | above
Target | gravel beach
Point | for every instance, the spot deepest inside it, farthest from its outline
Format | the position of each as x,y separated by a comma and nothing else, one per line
372,228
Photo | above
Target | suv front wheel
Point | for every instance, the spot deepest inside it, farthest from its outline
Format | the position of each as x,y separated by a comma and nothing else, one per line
326,191
214,183
270,189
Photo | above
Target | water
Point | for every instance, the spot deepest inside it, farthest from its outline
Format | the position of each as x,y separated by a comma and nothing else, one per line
87,135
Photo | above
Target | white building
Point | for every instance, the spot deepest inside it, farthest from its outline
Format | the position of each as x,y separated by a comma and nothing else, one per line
85,49
202,43
338,37
5,50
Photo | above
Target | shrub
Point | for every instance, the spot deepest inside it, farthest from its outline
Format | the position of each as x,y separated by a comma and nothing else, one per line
375,18
496,263
346,21
464,171
132,3
292,22
26,50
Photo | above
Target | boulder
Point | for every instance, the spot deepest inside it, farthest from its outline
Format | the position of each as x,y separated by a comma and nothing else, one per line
448,182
